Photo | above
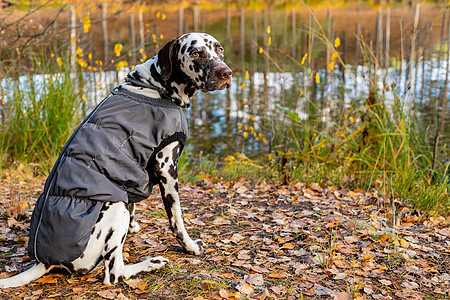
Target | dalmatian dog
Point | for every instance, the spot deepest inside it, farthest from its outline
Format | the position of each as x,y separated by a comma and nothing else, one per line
104,192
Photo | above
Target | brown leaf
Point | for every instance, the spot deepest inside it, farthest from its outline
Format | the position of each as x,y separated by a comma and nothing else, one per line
197,222
404,243
288,246
221,221
236,238
277,275
366,257
133,283
245,288
258,269
342,296
351,239
207,284
224,293
47,279
278,289
254,279
340,276
243,255
108,294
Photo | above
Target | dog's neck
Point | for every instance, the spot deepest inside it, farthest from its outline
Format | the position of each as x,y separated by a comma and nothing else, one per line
148,76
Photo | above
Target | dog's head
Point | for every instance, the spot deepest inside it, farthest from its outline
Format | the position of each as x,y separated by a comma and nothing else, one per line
195,60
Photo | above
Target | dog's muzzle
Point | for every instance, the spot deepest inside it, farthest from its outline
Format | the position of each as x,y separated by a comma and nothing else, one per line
224,76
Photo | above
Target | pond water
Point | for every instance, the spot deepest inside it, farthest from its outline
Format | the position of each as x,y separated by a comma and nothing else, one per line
281,56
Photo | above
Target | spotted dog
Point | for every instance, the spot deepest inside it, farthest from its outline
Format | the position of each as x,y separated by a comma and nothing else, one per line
131,141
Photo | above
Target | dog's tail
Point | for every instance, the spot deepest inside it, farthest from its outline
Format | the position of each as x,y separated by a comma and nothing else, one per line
28,276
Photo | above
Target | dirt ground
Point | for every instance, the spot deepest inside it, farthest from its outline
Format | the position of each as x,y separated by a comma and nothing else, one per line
265,241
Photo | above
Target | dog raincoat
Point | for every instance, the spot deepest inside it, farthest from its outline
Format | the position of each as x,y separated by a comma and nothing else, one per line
106,159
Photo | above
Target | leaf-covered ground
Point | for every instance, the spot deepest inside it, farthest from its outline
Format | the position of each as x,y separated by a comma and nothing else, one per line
265,241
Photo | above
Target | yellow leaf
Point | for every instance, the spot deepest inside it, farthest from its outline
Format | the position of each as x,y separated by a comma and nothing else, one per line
260,50
269,41
404,243
337,42
334,56
117,49
79,52
288,246
47,279
396,243
242,86
276,275
304,58
384,238
367,257
317,78
163,17
245,134
268,29
331,66
353,194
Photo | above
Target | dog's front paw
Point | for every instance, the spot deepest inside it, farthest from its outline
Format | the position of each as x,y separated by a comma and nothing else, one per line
198,248
134,227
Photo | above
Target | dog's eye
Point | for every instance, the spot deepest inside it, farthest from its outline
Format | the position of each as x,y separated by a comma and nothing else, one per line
194,54
219,50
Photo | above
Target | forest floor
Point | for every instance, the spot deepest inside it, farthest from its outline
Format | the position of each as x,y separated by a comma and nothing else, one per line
264,241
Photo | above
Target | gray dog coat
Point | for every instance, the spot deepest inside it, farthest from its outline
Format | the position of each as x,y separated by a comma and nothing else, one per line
106,159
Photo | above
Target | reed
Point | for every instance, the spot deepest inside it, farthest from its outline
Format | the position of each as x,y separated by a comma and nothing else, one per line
40,114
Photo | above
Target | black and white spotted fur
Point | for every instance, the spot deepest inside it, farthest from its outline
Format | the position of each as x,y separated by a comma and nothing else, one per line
183,66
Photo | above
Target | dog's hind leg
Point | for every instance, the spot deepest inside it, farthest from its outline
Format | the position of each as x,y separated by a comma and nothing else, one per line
115,269
134,225
167,173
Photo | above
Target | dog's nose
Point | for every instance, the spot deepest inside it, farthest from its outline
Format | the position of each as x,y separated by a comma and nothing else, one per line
224,73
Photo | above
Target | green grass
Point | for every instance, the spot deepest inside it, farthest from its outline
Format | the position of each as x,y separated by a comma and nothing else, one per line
40,116
378,145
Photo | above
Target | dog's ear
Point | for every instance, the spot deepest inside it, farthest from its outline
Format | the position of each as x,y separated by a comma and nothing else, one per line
165,59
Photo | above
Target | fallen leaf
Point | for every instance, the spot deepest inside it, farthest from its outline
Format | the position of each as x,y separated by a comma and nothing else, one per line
277,275
221,221
404,243
366,257
245,288
224,293
342,296
254,279
47,279
340,276
108,294
278,289
197,222
385,281
288,246
236,238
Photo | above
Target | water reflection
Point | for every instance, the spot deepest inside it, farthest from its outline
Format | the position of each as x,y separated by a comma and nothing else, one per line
280,55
